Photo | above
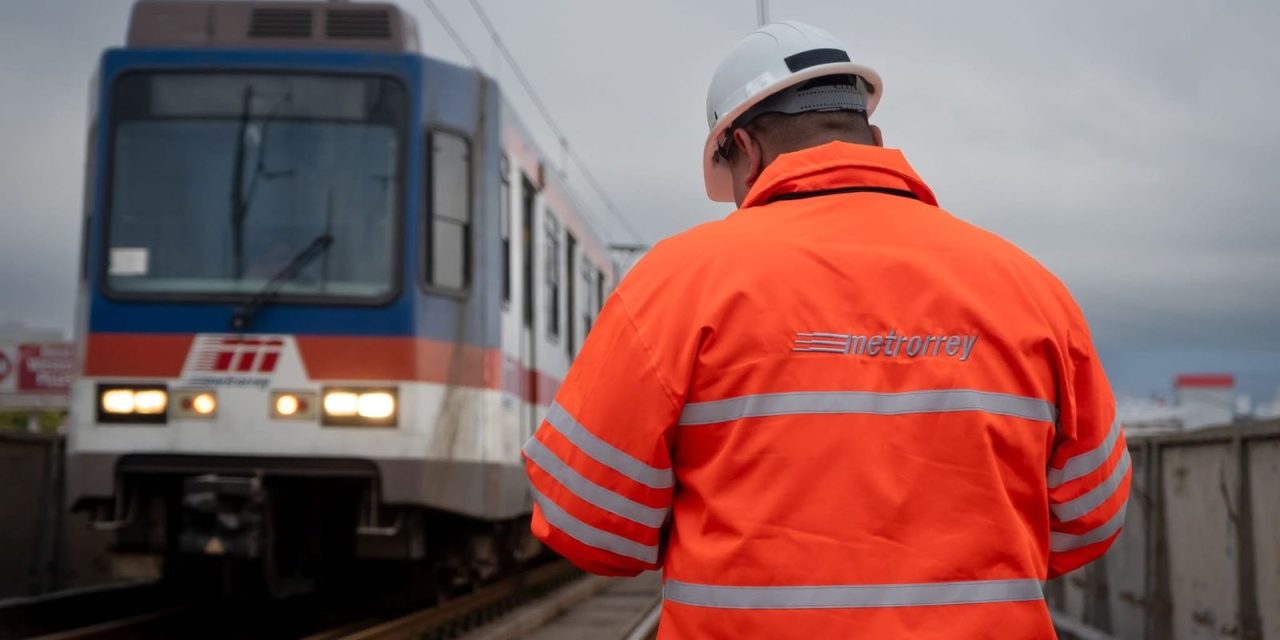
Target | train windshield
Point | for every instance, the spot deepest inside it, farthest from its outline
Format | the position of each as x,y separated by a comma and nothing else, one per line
220,180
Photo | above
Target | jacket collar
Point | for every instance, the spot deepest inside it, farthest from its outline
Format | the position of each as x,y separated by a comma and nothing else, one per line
836,165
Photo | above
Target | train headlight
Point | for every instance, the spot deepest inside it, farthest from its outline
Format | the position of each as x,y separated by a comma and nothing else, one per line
378,405
287,404
204,404
133,403
340,404
150,402
117,401
195,404
357,407
293,405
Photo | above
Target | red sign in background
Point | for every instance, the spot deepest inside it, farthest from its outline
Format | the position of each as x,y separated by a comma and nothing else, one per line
45,368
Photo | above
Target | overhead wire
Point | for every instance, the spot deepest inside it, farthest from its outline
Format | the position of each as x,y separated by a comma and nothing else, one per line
453,34
551,121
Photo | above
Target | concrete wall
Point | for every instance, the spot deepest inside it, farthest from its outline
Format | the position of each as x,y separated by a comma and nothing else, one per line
42,548
1199,557
28,500
1264,479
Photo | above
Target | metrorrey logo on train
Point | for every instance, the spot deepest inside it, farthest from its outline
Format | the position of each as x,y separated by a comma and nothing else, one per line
232,360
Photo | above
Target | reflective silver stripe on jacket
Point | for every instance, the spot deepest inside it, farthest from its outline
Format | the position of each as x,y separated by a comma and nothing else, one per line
584,488
605,453
1083,464
852,596
591,536
1091,499
1059,542
889,404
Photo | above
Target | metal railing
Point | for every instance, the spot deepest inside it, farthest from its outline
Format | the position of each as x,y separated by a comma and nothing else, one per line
1200,552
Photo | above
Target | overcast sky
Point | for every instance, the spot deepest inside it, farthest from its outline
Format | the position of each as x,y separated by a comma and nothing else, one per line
1129,146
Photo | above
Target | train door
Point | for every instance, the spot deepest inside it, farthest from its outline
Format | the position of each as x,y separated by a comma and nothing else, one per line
528,352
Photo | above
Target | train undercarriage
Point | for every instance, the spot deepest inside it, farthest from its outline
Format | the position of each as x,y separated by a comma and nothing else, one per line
282,530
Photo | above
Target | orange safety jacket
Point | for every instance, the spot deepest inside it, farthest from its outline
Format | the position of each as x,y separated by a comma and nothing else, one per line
838,413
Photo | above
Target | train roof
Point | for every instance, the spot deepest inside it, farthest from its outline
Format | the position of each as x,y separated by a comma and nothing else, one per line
381,27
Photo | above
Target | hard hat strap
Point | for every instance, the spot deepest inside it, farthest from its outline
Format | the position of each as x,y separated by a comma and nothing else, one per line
827,93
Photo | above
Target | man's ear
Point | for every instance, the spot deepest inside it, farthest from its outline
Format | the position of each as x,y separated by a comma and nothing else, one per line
876,136
752,154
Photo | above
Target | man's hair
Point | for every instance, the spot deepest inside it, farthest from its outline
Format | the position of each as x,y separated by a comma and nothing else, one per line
783,133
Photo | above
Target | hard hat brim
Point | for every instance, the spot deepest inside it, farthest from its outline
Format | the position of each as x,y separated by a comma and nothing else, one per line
715,173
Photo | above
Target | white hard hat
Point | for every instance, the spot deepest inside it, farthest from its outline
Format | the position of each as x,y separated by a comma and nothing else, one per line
770,59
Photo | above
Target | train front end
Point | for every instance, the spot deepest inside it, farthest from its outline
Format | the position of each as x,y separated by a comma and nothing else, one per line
247,302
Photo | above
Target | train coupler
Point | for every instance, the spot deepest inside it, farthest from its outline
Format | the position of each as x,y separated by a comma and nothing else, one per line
223,516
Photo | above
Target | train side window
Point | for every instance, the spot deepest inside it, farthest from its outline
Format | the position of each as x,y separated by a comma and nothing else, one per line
447,266
571,280
599,290
551,269
504,214
527,193
589,303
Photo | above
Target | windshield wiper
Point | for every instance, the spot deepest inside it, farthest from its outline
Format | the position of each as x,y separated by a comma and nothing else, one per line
244,313
242,194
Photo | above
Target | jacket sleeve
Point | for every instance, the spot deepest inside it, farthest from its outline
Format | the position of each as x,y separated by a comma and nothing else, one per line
1089,470
600,464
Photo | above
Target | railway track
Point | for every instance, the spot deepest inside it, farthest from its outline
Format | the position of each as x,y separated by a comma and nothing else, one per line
523,605
550,602
153,610
539,603
213,618
49,615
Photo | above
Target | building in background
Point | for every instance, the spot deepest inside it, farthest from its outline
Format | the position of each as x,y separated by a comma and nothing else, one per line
1199,400
1148,414
36,368
1205,400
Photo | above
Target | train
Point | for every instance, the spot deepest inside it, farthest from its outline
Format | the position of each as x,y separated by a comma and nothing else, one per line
328,287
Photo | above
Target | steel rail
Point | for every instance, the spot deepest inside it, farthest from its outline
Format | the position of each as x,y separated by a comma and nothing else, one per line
59,611
469,610
647,627
115,628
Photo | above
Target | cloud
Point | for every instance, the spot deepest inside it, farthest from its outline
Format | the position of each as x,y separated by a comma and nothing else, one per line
1128,146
